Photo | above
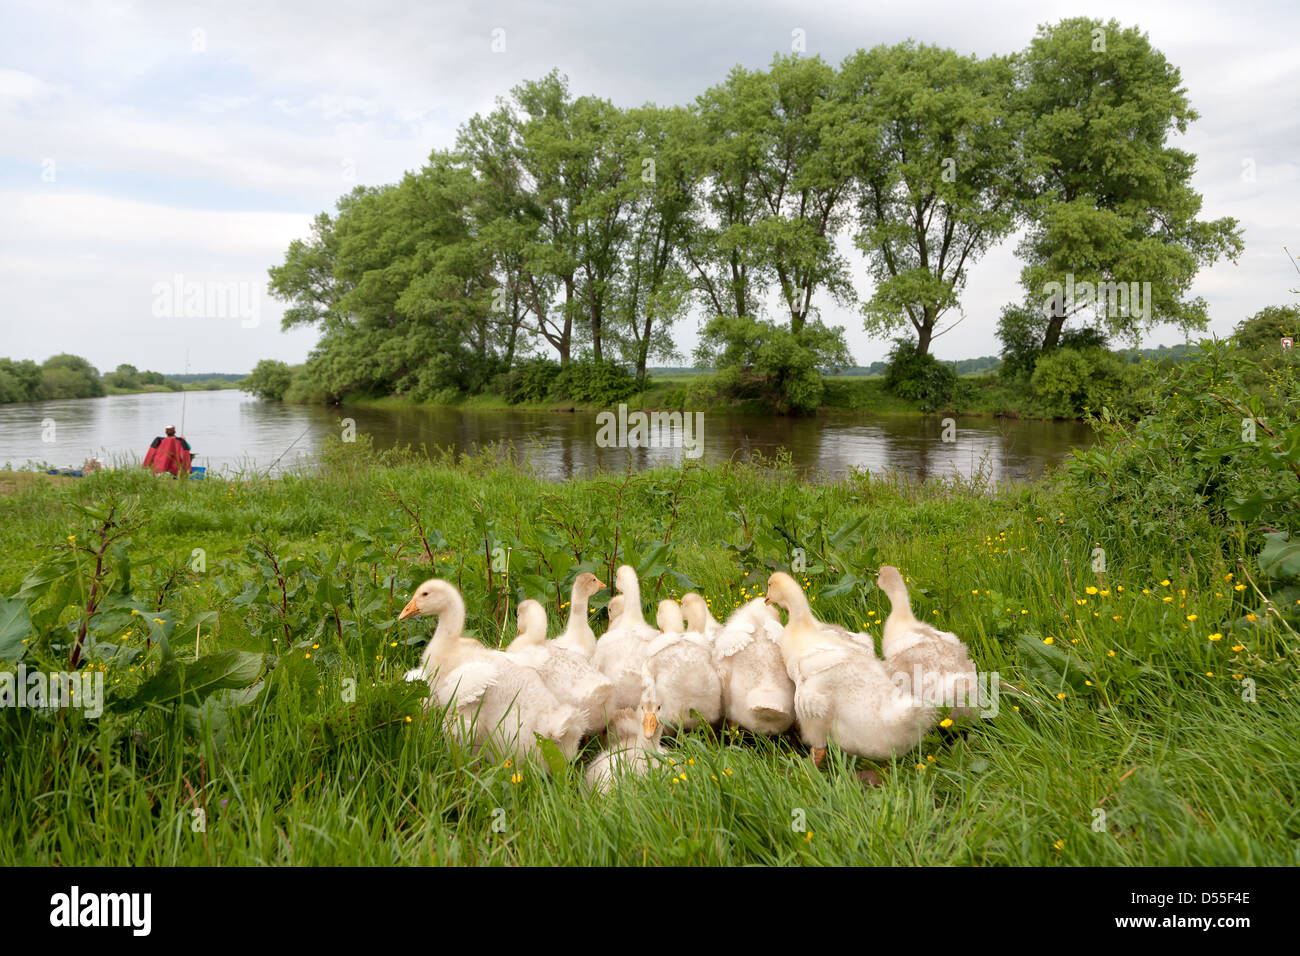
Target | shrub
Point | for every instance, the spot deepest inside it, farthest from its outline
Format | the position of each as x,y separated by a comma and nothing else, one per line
760,361
269,380
1190,467
1072,381
594,383
919,377
529,381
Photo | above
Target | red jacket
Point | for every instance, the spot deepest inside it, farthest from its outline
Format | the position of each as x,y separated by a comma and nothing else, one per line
170,454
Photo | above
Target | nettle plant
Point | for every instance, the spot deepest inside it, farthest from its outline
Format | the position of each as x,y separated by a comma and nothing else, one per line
799,534
91,604
1211,469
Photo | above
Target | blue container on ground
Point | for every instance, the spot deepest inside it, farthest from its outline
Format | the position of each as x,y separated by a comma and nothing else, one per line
197,472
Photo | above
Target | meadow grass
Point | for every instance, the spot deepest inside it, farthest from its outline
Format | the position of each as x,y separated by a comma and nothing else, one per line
1126,735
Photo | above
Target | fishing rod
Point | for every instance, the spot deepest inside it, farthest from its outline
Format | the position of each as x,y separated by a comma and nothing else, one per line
184,393
286,451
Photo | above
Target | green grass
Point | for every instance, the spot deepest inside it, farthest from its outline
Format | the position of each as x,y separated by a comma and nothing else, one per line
1185,769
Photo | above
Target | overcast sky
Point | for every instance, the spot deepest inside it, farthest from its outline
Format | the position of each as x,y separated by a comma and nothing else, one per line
141,142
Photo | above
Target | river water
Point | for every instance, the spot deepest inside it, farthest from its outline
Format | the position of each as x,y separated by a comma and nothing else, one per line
232,432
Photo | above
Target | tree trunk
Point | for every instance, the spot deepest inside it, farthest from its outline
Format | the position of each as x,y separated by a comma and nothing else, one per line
567,335
1053,334
923,336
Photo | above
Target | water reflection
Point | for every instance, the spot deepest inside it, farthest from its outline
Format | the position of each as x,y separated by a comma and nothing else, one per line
232,432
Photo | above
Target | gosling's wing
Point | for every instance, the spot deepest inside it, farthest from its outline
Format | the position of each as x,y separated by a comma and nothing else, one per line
735,637
471,681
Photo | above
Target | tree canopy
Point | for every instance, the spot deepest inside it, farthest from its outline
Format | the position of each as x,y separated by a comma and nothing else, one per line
569,228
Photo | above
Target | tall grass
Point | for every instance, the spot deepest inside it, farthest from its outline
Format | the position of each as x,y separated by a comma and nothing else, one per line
1127,736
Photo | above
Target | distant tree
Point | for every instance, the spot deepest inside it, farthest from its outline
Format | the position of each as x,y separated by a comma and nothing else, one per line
124,376
69,376
1264,329
19,381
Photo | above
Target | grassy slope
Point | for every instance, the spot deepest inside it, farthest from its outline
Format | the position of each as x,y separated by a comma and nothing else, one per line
1185,770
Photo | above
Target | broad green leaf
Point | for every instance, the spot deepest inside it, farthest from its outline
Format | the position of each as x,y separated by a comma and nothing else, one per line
15,627
1280,557
1048,659
190,682
845,585
38,580
551,754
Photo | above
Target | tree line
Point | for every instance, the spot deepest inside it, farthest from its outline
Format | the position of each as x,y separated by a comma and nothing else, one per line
564,230
72,376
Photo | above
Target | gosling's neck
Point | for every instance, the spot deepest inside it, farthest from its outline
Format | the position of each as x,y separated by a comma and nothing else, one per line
578,629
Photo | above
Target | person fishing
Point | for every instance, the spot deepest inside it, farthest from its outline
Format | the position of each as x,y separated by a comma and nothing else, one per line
170,453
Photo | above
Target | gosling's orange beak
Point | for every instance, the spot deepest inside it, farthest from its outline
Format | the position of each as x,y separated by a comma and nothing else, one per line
409,611
601,584
649,723
767,599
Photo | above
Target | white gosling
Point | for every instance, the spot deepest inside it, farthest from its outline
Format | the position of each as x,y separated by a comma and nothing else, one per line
578,635
491,699
678,675
614,609
932,664
621,650
757,693
698,616
565,673
842,691
632,747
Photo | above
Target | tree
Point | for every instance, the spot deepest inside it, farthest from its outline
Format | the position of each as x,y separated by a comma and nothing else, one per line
928,138
19,381
1108,203
539,144
1264,330
124,376
762,361
306,278
652,288
773,191
269,380
69,376
413,316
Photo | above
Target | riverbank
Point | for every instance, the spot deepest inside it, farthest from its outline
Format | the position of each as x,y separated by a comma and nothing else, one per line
976,396
210,386
1122,738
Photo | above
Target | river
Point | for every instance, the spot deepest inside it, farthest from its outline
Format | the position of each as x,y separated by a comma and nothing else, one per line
231,432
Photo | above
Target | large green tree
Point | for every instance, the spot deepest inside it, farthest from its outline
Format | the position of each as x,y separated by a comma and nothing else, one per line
930,139
306,281
652,288
1108,199
772,191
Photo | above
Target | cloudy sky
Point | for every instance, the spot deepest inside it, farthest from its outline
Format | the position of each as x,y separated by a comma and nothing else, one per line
145,144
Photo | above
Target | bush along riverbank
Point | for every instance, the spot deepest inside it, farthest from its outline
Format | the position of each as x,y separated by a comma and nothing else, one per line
1072,382
1140,609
